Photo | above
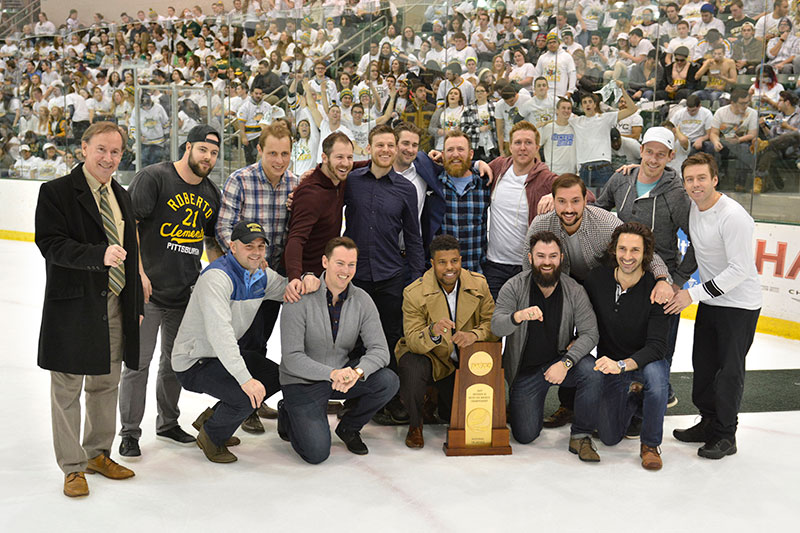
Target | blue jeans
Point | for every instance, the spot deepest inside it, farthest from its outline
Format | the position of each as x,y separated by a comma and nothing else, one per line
617,405
209,376
712,95
526,404
595,174
305,420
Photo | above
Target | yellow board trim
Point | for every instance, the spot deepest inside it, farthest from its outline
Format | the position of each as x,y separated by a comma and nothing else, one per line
766,324
11,235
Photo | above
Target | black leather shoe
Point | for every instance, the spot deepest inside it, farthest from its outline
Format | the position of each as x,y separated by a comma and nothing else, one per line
699,432
353,440
252,424
634,428
176,435
717,449
129,447
281,421
397,411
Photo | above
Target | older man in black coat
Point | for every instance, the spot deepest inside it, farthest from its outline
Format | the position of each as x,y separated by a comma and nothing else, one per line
86,231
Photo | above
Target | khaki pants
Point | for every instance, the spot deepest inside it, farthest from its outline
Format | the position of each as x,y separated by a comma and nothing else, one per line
101,404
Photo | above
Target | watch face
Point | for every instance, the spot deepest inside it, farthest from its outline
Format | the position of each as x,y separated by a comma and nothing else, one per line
568,363
621,365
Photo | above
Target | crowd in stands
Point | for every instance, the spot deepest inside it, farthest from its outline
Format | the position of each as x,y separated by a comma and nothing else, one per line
720,75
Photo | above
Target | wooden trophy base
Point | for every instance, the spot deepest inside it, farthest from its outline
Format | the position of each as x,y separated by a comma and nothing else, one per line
455,446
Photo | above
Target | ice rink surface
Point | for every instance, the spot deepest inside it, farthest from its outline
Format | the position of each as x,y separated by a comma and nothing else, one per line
541,487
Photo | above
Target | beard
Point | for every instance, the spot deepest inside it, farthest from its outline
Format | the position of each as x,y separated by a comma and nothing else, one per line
456,168
546,280
195,166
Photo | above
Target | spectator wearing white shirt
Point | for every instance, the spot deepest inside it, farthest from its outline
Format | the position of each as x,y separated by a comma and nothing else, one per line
44,27
694,121
708,21
460,51
783,51
640,46
767,26
683,39
558,68
484,38
27,166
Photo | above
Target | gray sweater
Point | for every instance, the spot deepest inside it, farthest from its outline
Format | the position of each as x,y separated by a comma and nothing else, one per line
664,210
576,314
308,352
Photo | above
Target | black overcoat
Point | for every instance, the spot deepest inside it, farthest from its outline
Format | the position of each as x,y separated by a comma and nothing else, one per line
69,233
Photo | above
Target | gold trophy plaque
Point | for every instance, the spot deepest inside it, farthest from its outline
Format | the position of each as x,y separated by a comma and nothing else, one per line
478,419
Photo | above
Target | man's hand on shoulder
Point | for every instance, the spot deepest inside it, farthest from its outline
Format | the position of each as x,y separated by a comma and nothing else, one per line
296,288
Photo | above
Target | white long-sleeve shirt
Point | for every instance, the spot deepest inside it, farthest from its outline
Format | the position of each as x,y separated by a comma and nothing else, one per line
722,237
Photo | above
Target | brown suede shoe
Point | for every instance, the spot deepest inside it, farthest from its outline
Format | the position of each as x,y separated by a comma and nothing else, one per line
651,457
102,464
214,453
267,412
561,417
205,415
584,449
75,485
252,424
414,437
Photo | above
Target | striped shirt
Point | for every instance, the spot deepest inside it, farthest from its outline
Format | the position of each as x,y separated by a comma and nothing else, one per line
248,195
465,218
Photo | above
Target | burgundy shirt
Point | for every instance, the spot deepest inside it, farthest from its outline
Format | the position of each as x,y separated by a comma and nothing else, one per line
316,218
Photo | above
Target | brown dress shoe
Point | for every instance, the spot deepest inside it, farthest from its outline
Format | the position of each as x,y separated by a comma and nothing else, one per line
102,464
75,485
267,412
414,437
561,417
651,457
214,453
584,449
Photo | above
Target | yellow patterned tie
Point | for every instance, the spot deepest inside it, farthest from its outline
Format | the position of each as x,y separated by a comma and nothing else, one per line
116,274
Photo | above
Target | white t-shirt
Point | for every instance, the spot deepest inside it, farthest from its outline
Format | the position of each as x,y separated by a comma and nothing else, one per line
558,145
360,138
508,219
626,125
731,125
766,25
509,115
695,126
485,139
538,112
593,136
681,154
518,74
325,130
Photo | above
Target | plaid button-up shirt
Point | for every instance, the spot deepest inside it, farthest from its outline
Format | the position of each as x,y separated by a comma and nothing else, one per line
248,195
465,218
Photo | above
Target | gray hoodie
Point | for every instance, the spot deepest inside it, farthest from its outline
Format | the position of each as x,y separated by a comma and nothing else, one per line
576,314
664,210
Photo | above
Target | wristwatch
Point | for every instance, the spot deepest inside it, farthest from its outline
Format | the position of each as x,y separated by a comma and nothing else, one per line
360,373
621,365
567,363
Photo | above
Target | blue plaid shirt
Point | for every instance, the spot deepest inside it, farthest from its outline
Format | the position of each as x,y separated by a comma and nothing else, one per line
248,195
465,218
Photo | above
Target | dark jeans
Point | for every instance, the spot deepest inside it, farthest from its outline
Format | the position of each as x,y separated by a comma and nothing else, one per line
526,402
152,154
617,405
672,339
497,274
388,298
741,162
209,376
256,337
722,338
416,373
250,151
595,174
305,420
776,148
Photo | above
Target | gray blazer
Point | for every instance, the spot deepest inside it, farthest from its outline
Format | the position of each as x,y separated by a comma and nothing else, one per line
577,313
308,352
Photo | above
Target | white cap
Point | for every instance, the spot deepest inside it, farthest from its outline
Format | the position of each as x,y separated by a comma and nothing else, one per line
24,147
623,35
661,135
48,145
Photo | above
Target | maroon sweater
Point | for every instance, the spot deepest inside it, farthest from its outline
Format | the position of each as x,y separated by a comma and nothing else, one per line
316,218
